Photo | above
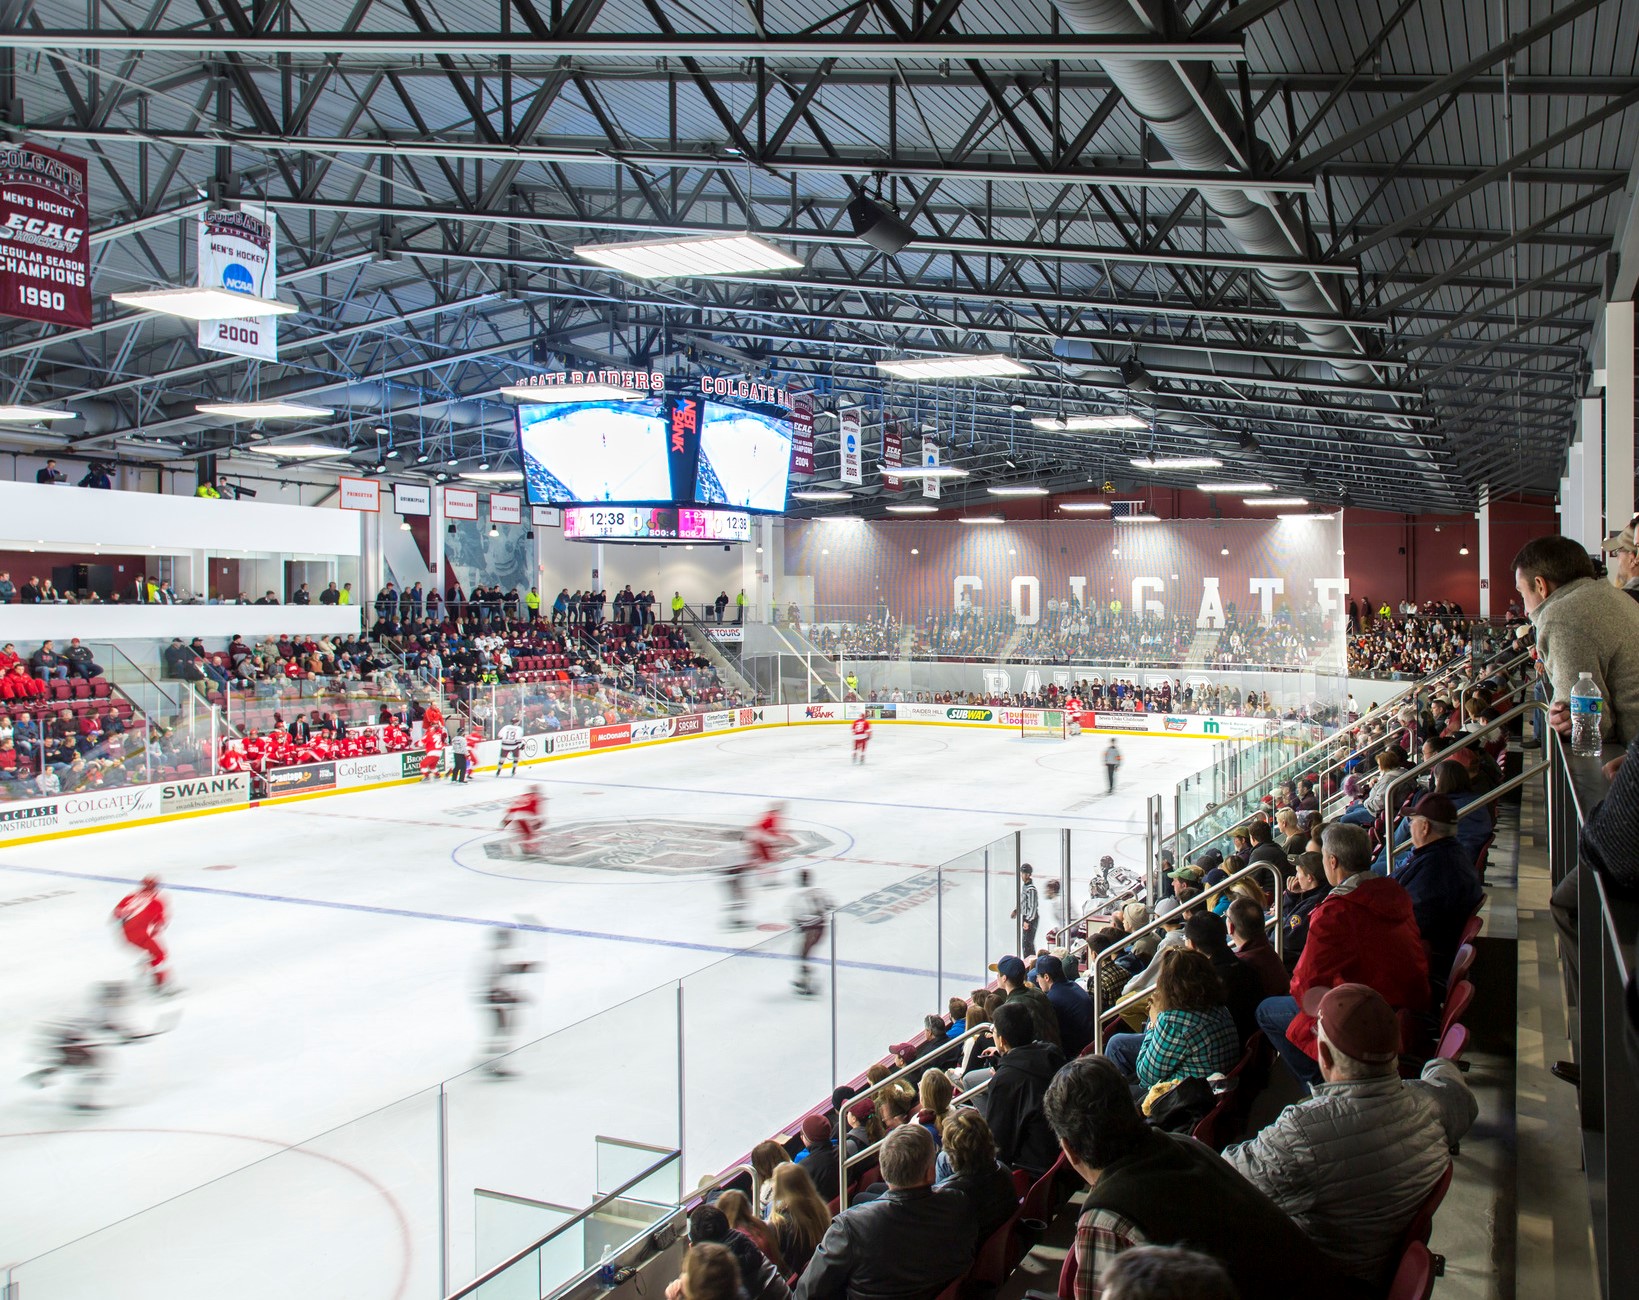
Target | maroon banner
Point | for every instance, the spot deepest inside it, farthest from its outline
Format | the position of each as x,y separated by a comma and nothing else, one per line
893,453
45,245
802,433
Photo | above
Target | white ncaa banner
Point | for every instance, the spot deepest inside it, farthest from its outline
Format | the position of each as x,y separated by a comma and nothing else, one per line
849,440
238,251
930,457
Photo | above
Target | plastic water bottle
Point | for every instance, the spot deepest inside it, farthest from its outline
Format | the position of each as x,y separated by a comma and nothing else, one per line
1587,703
606,1269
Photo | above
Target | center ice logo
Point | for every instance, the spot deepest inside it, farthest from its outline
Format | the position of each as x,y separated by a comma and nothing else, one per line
667,847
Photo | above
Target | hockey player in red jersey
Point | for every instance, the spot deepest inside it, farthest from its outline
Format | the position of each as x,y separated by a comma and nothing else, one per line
142,915
526,818
766,838
862,737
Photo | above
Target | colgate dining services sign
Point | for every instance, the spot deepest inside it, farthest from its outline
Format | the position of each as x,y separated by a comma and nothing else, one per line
45,246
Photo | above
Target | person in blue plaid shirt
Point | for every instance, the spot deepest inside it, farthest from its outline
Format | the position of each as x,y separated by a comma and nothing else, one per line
1191,1033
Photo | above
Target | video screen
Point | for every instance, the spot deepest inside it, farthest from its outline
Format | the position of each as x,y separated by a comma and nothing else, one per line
594,451
745,459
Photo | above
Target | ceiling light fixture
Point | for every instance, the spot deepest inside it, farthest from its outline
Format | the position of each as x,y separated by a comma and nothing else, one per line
548,394
496,476
483,464
297,449
269,410
1087,423
921,471
981,519
704,255
1176,462
203,303
9,412
1462,550
392,453
821,494
1086,507
993,365
1233,487
1276,501
1138,519
1017,490
494,531
913,510
1307,515
422,459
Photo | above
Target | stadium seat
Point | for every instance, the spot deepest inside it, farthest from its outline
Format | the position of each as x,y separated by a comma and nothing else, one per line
1472,928
1457,1001
1414,1279
1038,1201
1067,1274
1452,1043
1461,965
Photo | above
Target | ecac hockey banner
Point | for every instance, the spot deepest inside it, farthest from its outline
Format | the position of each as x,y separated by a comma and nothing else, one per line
238,251
45,244
852,450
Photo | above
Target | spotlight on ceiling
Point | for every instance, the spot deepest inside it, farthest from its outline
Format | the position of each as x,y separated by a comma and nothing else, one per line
877,226
1137,379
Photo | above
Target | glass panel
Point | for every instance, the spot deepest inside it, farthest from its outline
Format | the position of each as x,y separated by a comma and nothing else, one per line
620,1161
505,1225
351,1212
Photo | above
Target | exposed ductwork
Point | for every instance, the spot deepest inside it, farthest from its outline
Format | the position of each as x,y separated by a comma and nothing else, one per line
1169,99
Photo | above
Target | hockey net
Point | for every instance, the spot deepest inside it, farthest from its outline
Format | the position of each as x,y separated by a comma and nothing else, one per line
1045,724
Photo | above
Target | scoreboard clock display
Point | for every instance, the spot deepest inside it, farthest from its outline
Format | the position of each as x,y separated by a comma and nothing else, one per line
655,524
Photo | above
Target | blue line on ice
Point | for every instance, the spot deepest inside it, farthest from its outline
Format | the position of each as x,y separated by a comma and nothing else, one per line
407,914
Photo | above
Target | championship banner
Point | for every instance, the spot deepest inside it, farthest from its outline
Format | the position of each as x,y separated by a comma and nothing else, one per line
238,252
412,499
848,440
893,453
505,509
930,457
460,503
45,245
802,433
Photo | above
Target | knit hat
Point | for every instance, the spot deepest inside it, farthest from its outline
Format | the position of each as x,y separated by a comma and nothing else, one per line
816,1129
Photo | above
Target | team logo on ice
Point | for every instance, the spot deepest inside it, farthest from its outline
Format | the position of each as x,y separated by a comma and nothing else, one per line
642,845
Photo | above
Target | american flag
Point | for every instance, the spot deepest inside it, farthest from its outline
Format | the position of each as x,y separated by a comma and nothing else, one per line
1126,509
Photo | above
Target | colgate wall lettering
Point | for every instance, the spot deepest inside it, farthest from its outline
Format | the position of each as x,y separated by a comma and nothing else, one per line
1167,568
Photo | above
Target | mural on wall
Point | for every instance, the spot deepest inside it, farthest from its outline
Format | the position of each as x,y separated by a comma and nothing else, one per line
474,557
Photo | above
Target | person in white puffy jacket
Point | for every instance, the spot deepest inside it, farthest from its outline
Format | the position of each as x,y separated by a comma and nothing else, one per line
1352,1163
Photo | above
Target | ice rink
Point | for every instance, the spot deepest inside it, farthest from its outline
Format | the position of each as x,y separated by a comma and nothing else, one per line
328,952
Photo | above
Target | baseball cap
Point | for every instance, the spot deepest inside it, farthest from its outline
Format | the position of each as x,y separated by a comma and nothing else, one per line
1191,874
1216,876
1436,807
862,1109
901,1049
1009,967
1050,966
1211,858
1622,541
816,1129
1357,1020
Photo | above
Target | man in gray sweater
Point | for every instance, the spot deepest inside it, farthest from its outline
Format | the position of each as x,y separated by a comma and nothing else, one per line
1583,626
1353,1162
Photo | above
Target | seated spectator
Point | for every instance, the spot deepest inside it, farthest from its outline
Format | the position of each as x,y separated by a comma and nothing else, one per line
1070,1002
766,1157
1148,1187
933,1095
708,1225
1015,982
736,1208
1265,850
1141,952
179,662
958,1017
1440,880
1172,936
906,1245
1363,932
1109,974
1352,1163
1166,1273
1243,990
18,684
864,1127
1012,1103
967,1163
79,661
1191,1033
1252,946
819,1140
710,1272
46,663
1305,888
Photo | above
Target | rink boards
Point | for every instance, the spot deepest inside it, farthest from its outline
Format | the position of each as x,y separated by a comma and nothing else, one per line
28,821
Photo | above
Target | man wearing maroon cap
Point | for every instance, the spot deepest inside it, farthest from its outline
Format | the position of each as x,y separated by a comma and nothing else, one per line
817,1143
1353,1162
1365,932
1440,880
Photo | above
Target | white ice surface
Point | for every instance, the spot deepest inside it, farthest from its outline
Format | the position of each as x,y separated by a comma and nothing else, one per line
328,952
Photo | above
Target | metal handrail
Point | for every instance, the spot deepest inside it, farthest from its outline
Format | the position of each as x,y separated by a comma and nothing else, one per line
597,1204
1150,927
840,1127
705,1189
860,1155
1391,812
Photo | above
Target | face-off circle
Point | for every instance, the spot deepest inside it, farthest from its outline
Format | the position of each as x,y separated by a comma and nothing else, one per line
645,844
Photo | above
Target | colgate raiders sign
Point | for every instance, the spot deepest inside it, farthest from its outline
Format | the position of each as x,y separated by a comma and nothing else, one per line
1024,597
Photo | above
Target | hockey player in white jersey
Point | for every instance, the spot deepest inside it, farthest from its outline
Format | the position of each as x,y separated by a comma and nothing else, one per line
502,999
512,745
811,917
78,1049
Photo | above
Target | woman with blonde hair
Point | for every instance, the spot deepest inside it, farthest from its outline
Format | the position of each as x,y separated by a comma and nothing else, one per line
1250,888
934,1092
736,1208
798,1216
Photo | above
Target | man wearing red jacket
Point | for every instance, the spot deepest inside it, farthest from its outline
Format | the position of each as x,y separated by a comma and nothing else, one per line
1363,932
